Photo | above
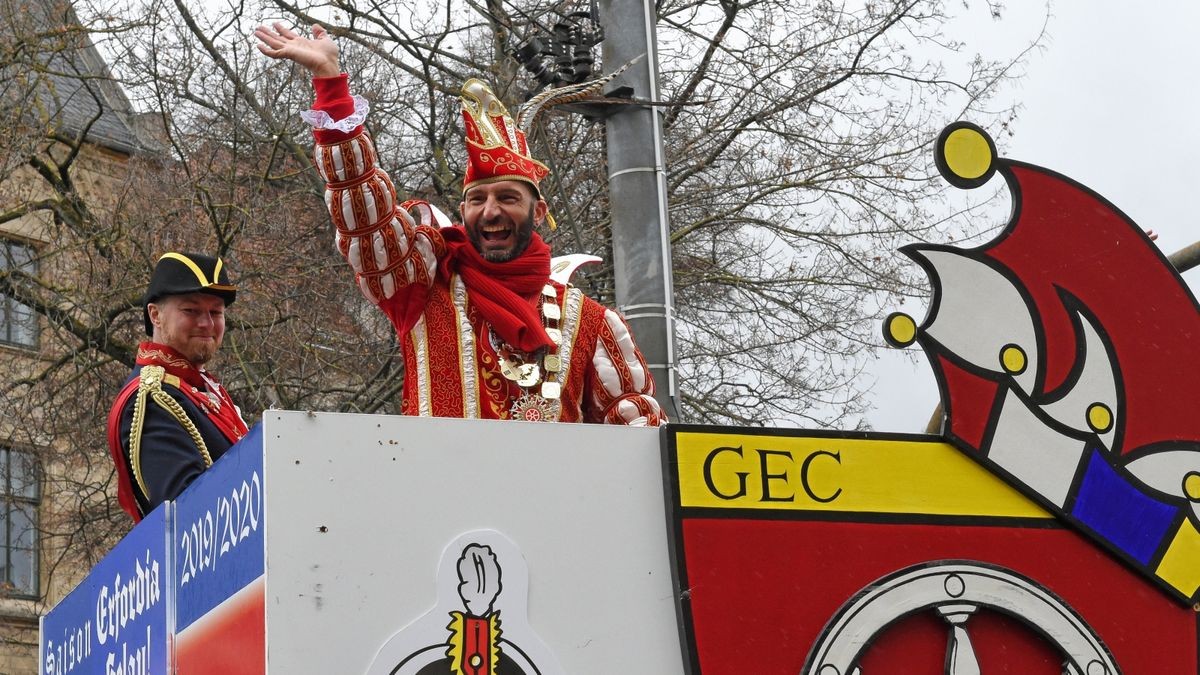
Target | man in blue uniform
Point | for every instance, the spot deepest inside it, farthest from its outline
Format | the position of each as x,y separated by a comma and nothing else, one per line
173,418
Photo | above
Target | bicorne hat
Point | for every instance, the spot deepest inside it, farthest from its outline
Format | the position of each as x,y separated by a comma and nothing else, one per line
180,273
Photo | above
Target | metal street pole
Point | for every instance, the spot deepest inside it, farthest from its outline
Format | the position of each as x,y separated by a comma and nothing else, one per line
637,182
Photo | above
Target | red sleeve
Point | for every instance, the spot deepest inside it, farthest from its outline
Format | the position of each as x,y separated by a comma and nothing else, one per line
333,97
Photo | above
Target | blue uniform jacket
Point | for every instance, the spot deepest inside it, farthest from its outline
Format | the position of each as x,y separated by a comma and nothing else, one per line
170,459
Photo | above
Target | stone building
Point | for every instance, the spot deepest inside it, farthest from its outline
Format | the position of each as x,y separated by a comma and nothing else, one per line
69,135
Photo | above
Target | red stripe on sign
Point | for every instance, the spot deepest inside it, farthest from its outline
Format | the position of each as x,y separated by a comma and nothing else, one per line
230,638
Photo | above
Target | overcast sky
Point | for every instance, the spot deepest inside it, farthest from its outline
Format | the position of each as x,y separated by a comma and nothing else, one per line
1112,103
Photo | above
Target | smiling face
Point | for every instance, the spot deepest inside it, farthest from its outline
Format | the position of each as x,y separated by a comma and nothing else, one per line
500,217
192,324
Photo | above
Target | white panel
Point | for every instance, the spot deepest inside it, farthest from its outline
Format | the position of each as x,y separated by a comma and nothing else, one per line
1097,383
1035,454
1165,471
360,507
979,312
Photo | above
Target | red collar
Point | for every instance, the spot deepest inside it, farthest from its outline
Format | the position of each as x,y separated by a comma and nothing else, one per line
155,354
204,390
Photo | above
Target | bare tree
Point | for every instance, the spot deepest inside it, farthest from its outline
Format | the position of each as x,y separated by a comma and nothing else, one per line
93,191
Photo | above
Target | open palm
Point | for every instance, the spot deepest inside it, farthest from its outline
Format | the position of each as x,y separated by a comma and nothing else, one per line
319,54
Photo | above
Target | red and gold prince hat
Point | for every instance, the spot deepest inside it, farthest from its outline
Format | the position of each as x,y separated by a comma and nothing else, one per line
496,146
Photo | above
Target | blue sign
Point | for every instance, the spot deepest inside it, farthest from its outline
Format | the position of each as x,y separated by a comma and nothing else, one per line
219,543
116,620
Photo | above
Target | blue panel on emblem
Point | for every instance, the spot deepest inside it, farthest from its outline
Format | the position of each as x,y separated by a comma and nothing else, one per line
1116,510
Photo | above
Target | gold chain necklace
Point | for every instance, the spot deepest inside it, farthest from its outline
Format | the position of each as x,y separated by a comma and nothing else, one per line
539,401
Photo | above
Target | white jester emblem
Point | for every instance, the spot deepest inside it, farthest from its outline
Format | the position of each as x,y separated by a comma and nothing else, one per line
1066,353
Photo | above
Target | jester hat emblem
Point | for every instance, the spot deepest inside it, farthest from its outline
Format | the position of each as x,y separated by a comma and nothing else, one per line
1066,351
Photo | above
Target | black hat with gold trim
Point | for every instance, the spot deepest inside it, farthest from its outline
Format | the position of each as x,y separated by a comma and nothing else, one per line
180,273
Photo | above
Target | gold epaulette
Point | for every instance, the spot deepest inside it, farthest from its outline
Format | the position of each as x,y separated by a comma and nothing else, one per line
150,383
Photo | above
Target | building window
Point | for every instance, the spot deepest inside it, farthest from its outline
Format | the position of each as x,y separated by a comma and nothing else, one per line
18,323
19,524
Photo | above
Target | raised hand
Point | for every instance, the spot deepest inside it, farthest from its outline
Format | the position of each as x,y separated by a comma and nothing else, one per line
319,54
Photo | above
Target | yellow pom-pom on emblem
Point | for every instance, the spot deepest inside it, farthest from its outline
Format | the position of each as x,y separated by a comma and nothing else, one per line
1013,359
1099,418
965,155
968,154
1191,487
899,329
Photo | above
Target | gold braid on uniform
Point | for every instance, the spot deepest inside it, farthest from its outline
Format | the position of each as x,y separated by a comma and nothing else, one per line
150,383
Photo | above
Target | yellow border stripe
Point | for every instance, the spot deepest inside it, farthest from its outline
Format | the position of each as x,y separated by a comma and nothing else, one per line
191,265
204,282
840,475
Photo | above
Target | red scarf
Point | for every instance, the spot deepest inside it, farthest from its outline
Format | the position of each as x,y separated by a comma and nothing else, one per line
499,290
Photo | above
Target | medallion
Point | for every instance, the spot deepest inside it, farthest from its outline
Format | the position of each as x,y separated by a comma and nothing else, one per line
530,375
508,368
534,408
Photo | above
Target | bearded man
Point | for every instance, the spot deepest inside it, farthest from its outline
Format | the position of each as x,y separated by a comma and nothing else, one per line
173,418
486,332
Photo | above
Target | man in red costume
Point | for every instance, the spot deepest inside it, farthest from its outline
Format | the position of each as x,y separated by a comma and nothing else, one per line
485,332
173,418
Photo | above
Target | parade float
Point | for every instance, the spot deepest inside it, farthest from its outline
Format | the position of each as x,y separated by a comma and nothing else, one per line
1051,527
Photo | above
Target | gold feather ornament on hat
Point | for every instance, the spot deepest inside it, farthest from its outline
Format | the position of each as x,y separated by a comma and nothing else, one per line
571,93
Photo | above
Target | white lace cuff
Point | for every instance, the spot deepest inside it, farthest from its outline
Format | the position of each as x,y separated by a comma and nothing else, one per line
319,119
